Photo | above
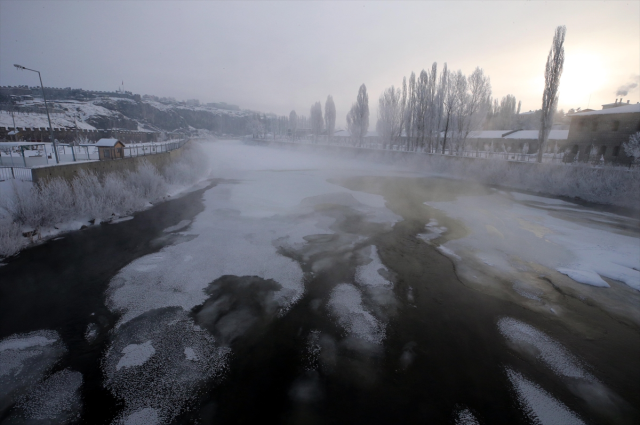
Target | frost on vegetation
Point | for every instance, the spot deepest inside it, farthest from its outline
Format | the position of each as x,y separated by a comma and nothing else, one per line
24,360
55,400
607,185
11,239
346,305
55,201
166,363
541,407
543,347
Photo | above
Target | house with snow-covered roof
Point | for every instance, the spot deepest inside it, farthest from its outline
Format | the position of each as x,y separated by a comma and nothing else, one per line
597,135
110,149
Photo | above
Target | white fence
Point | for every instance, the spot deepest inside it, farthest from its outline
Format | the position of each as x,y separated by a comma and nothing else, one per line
17,173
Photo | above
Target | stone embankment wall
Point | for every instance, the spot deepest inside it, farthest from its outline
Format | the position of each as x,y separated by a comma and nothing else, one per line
69,171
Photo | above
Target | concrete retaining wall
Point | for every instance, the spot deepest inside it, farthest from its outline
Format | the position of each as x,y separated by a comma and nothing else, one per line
69,171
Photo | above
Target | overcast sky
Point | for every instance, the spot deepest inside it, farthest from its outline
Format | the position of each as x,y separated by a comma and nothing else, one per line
279,56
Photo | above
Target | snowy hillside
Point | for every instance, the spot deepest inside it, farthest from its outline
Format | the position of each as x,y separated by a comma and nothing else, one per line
128,114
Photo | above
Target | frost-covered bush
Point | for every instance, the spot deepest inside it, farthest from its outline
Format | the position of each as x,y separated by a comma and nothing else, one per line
632,146
121,196
147,180
11,240
24,205
606,185
57,196
90,197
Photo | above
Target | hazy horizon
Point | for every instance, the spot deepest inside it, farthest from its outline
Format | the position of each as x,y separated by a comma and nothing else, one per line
282,56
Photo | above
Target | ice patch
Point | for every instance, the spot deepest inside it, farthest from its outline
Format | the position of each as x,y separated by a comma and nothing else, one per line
545,348
91,333
183,224
57,399
539,405
369,274
448,252
146,416
584,276
136,355
433,231
189,354
122,219
17,343
24,360
465,417
167,381
345,303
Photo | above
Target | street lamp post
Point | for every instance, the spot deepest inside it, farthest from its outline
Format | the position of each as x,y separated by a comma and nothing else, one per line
46,107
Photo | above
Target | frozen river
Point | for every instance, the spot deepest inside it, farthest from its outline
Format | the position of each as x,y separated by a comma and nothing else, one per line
299,288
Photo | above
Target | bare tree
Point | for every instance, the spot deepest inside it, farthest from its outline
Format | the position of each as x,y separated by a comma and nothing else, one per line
330,116
477,103
552,74
358,116
293,124
317,122
390,115
632,147
409,110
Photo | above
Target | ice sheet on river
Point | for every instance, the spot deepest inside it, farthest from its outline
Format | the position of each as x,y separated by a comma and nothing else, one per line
239,233
54,401
541,245
24,360
157,362
541,407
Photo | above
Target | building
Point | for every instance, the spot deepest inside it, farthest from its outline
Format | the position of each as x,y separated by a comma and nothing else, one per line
110,149
594,135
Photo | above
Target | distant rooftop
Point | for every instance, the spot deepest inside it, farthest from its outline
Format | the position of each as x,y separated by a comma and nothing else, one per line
625,108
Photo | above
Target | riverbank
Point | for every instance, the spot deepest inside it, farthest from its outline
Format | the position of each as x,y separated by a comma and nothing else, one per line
31,213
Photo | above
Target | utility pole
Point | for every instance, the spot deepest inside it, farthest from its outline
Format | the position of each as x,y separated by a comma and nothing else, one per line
46,106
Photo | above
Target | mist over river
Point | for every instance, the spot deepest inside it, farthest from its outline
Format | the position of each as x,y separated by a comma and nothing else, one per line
298,288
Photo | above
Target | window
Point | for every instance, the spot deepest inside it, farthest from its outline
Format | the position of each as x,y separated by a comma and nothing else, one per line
574,149
616,151
615,125
582,124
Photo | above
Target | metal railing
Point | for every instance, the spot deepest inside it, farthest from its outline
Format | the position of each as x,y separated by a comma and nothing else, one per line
17,173
44,155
